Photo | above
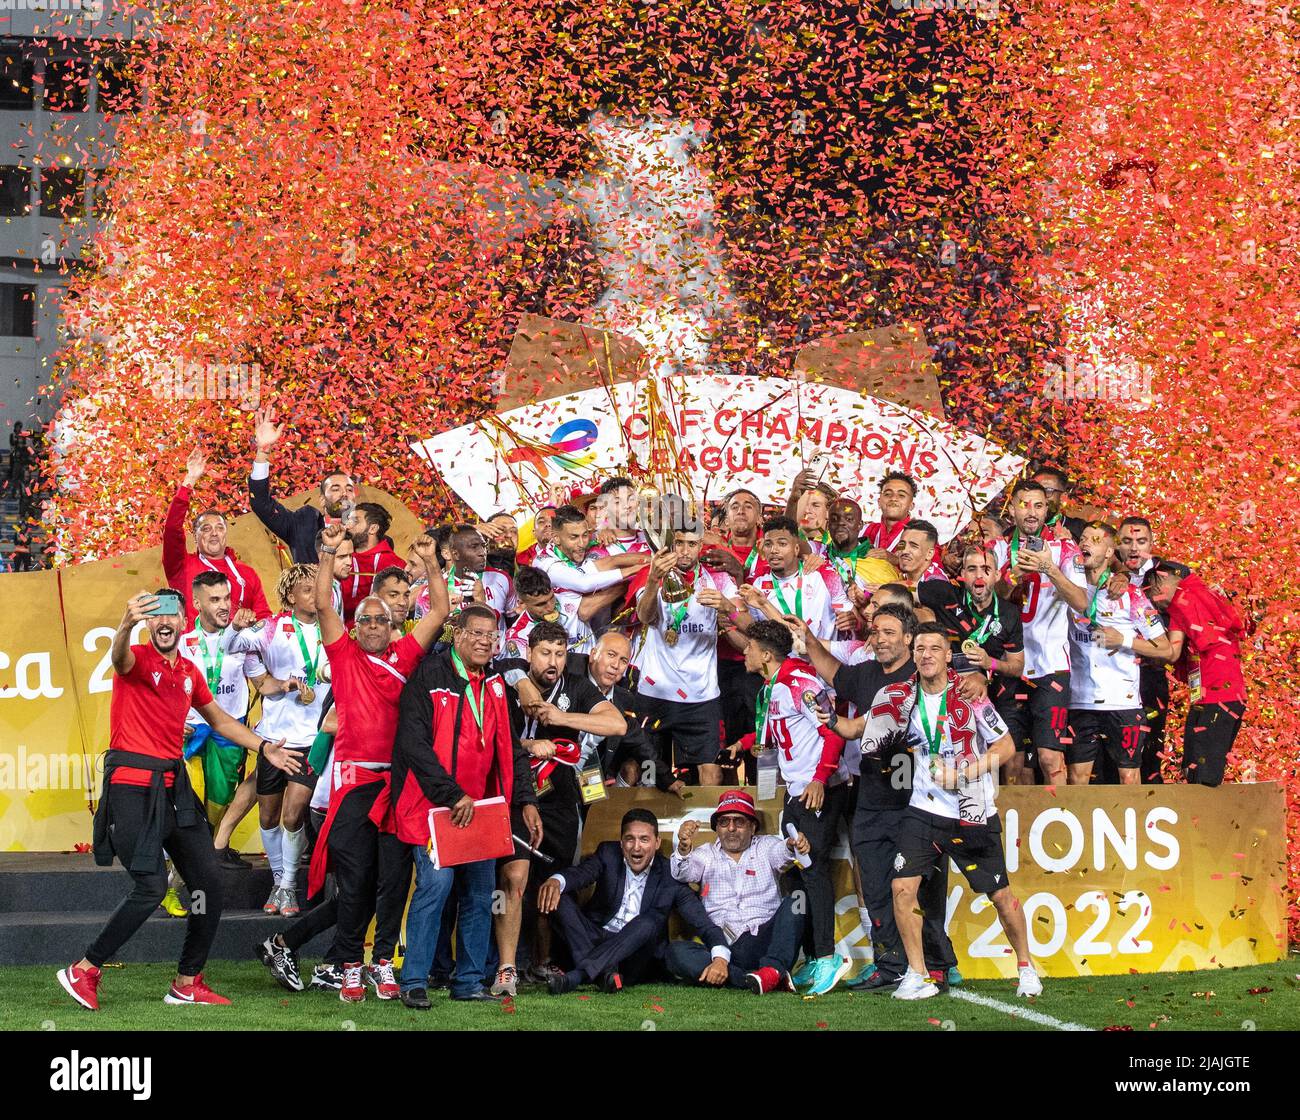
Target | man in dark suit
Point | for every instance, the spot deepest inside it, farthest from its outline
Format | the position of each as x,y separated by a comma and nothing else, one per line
623,929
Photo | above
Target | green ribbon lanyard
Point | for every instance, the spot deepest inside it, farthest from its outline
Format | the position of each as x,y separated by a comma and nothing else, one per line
935,737
474,707
1015,546
1092,606
850,560
798,594
679,611
212,669
751,561
559,555
983,632
451,580
309,670
760,720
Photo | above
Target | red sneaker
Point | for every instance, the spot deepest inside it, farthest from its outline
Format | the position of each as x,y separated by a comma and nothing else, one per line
763,980
354,986
82,984
384,981
196,992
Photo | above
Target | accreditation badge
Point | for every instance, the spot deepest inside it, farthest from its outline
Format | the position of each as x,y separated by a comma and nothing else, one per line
592,782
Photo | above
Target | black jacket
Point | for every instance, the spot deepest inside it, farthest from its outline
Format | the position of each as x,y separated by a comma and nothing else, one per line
296,527
606,869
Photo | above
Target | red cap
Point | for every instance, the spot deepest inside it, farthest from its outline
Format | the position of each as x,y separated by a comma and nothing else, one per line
735,801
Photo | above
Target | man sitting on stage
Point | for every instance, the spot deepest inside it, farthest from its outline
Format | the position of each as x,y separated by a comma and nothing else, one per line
739,876
622,932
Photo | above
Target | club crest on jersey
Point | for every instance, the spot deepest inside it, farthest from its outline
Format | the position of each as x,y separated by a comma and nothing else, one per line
392,658
496,689
562,702
898,862
189,686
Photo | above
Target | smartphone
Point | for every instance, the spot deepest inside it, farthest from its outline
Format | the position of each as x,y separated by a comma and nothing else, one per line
825,701
961,663
167,604
1035,544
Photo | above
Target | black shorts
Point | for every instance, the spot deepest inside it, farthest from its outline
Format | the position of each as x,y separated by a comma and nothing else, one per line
738,698
1038,712
976,849
1120,731
561,826
694,729
271,780
518,828
1208,735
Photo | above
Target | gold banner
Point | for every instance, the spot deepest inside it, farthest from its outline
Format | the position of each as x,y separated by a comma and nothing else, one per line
56,681
1113,879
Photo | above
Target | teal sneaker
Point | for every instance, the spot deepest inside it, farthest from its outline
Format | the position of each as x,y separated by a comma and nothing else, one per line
804,975
955,978
829,971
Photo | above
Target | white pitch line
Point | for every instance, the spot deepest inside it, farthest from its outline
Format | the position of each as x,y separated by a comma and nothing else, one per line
1017,1012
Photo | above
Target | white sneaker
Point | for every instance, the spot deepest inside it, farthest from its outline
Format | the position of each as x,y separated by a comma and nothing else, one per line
916,985
1030,984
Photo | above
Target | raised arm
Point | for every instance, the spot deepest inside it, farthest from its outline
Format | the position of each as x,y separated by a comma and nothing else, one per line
331,624
173,544
137,610
430,626
268,511
647,603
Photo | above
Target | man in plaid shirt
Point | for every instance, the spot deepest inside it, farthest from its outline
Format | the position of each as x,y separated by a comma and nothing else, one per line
738,876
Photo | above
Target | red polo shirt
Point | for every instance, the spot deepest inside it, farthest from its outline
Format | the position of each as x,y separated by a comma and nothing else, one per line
148,709
366,690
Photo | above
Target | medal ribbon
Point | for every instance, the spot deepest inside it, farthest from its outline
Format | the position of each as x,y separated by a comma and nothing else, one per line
798,594
212,669
760,719
679,611
309,670
1092,606
935,737
983,632
474,707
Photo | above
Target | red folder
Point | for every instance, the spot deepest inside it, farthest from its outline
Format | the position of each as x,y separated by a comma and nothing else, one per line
487,837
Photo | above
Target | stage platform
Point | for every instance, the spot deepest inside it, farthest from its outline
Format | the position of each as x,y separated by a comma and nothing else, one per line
52,905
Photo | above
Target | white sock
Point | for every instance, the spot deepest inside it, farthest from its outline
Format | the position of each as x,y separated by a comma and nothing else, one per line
271,845
292,844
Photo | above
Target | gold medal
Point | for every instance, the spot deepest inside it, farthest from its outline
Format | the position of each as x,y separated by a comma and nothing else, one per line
970,646
671,637
306,694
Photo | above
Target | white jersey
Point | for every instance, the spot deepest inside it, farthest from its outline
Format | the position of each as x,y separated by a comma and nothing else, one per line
792,728
968,731
499,591
274,649
1104,680
1044,614
212,654
637,542
688,671
571,582
806,594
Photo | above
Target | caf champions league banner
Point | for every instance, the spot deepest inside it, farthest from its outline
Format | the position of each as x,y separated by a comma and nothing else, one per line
56,679
721,433
1113,879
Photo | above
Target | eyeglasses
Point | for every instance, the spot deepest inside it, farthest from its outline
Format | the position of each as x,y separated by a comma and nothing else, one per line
371,619
481,635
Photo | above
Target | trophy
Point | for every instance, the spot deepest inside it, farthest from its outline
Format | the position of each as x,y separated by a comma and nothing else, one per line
660,515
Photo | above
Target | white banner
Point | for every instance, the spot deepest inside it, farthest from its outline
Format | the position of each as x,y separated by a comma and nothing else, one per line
726,432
